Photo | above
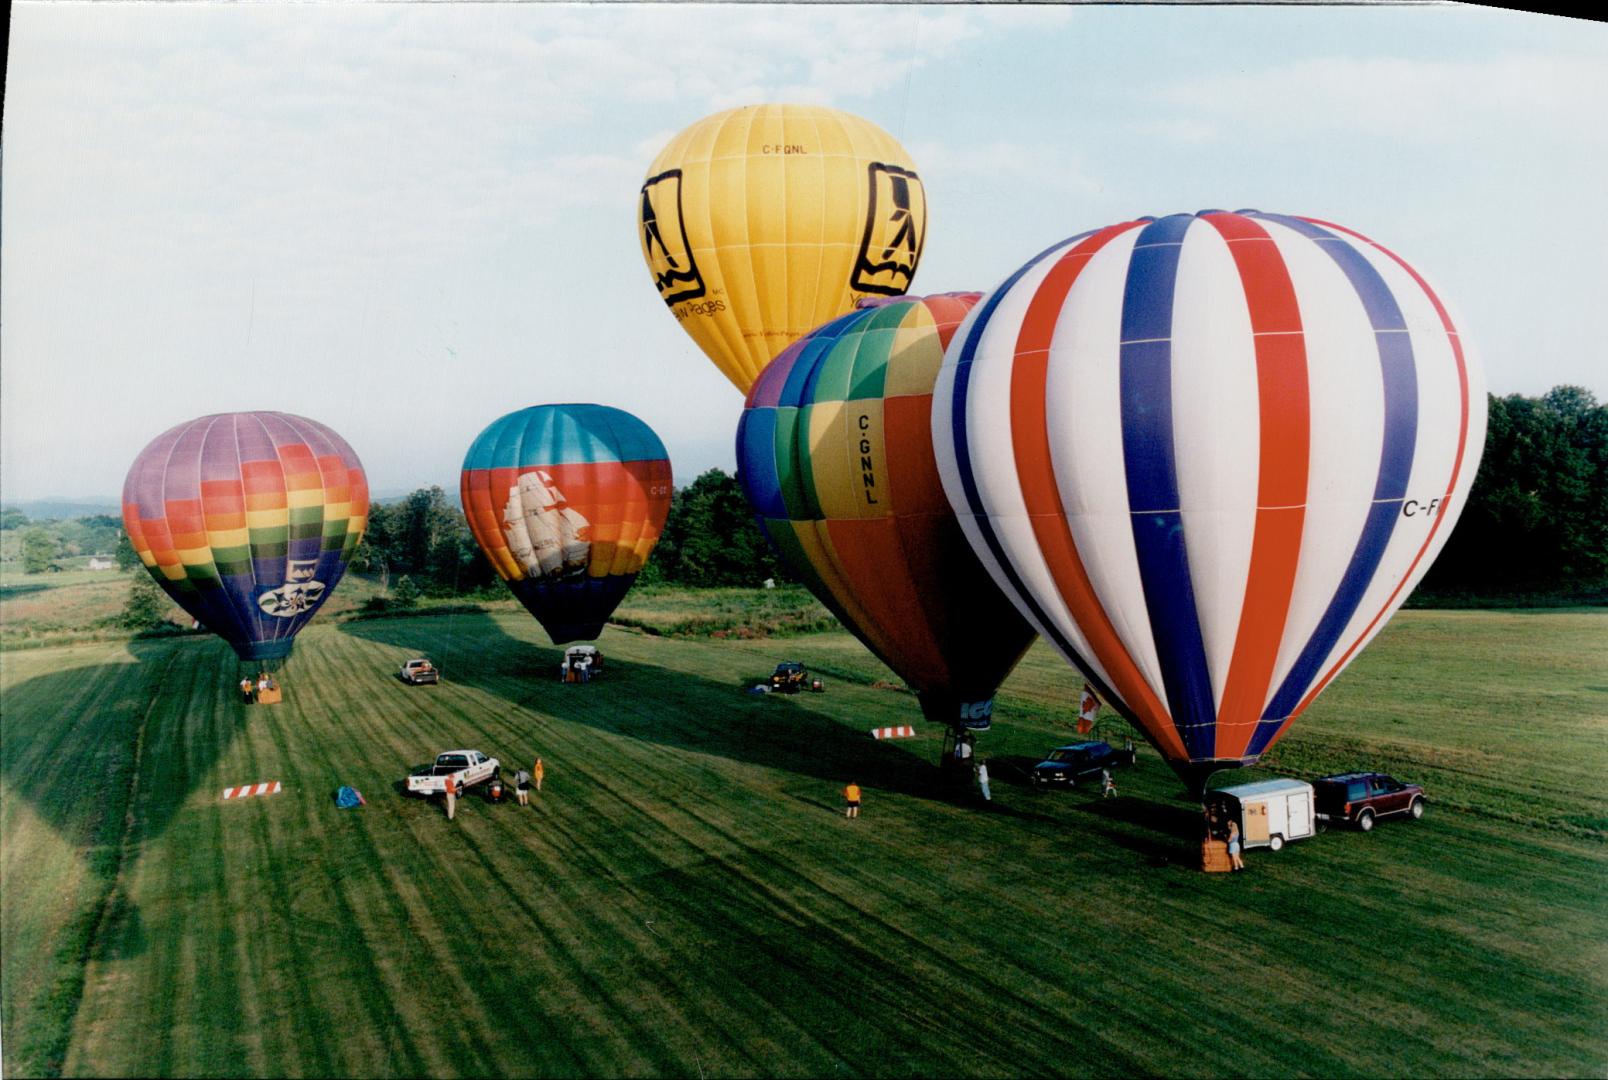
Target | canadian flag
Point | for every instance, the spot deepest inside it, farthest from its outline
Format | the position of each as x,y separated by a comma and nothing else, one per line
1088,709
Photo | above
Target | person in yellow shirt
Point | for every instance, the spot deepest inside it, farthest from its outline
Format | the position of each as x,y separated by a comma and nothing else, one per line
851,794
539,771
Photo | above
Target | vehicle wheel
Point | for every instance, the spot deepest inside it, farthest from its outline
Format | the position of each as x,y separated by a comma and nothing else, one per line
1275,842
1416,809
1365,821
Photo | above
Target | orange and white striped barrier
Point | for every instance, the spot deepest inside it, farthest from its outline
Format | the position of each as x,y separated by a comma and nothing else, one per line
245,791
903,731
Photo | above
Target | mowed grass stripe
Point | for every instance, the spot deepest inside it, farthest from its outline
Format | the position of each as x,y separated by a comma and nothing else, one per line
363,893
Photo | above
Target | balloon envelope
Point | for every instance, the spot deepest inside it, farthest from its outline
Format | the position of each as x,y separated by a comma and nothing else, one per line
247,521
834,451
761,223
567,502
1208,456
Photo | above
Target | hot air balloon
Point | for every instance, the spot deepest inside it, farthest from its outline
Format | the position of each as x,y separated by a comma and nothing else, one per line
761,223
567,502
834,452
1208,456
247,521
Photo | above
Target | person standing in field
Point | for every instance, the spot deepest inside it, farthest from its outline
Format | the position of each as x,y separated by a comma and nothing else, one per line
1108,786
1234,859
452,797
522,787
245,690
539,771
851,795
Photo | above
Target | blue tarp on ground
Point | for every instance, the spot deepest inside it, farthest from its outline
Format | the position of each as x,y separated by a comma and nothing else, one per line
348,797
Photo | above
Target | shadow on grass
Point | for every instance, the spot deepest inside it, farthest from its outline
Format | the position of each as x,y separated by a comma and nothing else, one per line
1170,831
105,756
73,739
793,733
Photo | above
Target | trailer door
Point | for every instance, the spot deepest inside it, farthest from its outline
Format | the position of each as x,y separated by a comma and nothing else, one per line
1256,822
1299,808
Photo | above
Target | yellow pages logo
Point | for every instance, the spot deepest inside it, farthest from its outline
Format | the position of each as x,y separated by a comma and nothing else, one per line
664,240
895,224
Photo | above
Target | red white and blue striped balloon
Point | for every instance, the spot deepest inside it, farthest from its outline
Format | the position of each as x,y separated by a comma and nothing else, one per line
1208,456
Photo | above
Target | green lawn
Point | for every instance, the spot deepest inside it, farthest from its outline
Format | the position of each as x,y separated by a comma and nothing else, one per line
686,898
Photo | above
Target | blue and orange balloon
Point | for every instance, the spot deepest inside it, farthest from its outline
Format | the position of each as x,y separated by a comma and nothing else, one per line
247,520
834,451
567,501
1208,456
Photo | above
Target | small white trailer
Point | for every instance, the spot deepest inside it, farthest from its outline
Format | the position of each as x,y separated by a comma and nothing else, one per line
1270,812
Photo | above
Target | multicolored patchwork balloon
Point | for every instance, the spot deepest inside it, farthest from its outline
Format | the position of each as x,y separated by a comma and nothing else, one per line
761,223
567,502
247,520
1208,456
834,452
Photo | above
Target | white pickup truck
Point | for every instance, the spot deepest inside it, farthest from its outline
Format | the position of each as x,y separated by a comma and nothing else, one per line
466,767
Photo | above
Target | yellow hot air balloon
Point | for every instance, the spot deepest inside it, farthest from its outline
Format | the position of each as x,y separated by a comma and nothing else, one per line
761,223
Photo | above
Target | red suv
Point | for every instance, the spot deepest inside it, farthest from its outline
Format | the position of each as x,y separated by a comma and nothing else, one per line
1361,798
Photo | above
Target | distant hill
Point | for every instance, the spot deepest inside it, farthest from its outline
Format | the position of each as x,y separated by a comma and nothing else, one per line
64,509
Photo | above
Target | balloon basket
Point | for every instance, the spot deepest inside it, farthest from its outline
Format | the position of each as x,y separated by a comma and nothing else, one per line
1214,857
264,679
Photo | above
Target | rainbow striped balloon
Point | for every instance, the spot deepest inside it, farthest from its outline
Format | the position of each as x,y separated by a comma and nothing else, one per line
247,520
567,501
834,452
1208,456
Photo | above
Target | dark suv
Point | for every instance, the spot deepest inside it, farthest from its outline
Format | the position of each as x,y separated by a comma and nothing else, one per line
1068,764
1362,798
788,677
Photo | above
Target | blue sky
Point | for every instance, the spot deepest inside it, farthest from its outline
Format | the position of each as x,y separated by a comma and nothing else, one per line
406,220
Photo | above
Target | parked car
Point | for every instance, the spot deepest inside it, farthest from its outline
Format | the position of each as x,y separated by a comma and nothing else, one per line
466,767
788,677
1361,798
1066,765
417,671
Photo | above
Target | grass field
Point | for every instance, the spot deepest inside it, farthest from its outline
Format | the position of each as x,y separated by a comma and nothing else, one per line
686,898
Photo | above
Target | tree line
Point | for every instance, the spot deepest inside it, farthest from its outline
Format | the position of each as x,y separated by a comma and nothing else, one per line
421,544
43,545
1536,522
1537,515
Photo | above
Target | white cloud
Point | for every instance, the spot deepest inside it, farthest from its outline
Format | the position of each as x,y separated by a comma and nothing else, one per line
1052,167
1429,100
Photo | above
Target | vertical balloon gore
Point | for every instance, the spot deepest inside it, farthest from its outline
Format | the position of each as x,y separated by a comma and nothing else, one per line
567,501
759,224
247,520
1208,456
834,452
